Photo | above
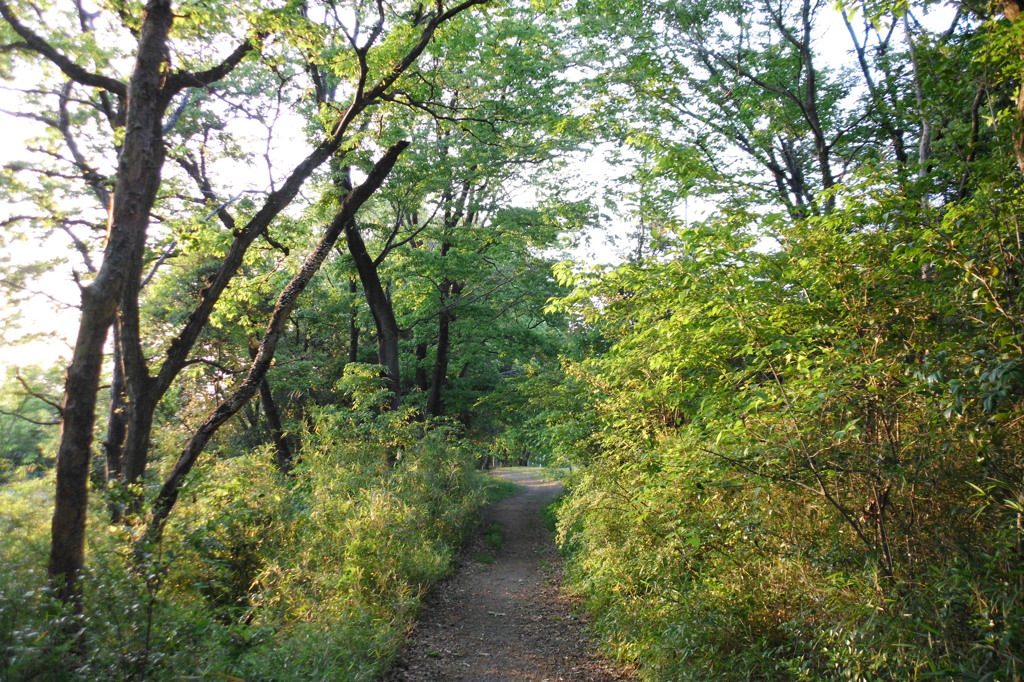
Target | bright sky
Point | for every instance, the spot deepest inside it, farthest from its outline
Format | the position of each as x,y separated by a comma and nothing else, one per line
44,314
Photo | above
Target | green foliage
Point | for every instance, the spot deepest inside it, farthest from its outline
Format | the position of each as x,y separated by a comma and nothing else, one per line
793,429
550,512
544,412
799,419
27,420
364,385
28,615
313,576
799,452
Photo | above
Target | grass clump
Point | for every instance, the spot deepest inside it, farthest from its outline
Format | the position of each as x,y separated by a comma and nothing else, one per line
494,536
496,489
550,512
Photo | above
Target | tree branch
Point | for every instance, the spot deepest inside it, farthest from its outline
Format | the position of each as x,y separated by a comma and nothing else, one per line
184,79
97,183
212,363
39,396
72,70
22,417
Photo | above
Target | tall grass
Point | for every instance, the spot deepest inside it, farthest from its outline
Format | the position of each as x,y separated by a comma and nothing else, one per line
264,577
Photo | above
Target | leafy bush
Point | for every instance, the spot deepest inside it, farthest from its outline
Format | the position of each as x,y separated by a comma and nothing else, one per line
317,575
808,463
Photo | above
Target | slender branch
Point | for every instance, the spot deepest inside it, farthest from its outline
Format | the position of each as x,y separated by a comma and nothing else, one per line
925,141
52,402
413,54
80,246
184,79
391,244
29,115
198,175
167,253
178,111
70,69
97,183
22,417
212,363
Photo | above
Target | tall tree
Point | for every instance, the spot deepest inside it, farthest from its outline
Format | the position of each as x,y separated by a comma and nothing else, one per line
141,109
144,101
712,94
485,102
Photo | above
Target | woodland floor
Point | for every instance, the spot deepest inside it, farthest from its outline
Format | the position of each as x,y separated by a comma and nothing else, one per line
502,615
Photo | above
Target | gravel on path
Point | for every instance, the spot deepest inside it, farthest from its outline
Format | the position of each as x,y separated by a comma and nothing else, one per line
502,616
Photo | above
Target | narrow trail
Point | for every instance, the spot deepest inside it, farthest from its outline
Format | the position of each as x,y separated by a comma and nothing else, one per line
501,616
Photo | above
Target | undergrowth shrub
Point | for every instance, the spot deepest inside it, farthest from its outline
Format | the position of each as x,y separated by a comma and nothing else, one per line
693,582
317,575
28,613
808,463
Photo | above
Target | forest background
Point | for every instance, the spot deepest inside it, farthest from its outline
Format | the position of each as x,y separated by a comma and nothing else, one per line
317,246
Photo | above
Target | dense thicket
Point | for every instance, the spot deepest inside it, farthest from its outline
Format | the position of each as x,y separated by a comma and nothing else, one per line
803,455
317,575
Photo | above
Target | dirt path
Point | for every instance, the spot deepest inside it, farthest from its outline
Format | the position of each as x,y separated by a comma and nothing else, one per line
501,616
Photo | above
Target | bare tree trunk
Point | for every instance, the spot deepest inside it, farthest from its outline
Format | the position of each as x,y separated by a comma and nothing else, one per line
282,451
138,177
420,378
116,425
353,324
435,404
381,309
139,387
